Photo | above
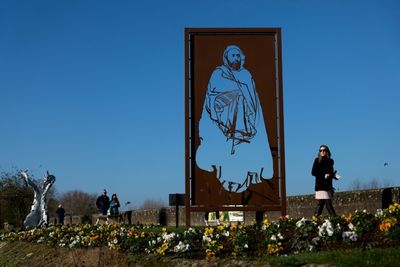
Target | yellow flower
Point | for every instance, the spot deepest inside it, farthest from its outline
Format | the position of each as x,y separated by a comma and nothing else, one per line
314,218
266,222
221,227
208,231
161,250
164,229
394,207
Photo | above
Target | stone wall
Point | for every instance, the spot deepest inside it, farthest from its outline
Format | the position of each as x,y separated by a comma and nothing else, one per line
345,202
297,206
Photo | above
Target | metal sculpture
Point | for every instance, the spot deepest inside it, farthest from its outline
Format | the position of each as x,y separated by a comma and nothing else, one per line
38,216
234,134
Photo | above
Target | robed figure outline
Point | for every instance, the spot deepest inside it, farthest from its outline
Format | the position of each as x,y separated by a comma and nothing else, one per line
233,137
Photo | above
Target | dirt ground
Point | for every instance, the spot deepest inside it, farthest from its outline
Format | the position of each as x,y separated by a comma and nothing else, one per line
35,255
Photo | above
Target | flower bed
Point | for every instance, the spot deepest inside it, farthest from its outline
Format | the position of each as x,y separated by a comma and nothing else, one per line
284,236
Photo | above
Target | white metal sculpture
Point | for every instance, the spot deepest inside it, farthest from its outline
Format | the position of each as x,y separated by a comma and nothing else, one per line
38,216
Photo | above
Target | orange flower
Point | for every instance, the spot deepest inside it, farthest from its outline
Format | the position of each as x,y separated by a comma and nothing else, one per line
274,249
347,218
387,224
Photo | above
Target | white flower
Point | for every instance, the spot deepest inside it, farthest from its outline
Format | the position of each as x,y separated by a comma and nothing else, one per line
273,238
189,231
326,229
181,247
246,246
352,227
280,237
225,233
168,237
350,235
379,213
315,240
301,222
206,239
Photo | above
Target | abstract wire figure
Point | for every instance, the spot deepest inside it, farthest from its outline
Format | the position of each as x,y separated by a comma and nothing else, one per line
38,216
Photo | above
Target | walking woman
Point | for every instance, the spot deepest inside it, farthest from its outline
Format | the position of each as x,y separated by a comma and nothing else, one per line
114,205
324,173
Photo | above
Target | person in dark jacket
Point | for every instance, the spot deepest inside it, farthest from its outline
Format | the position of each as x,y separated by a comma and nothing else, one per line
60,212
324,172
103,203
114,206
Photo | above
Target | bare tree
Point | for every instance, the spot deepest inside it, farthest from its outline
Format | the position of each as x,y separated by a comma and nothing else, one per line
152,204
78,202
356,185
370,184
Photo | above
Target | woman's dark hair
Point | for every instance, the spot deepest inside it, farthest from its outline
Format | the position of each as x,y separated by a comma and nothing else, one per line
113,196
328,152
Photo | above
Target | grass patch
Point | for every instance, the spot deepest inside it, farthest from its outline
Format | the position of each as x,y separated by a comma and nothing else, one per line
381,257
32,255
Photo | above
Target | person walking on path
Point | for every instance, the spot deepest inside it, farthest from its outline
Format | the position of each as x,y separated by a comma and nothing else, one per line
60,212
324,172
103,203
114,205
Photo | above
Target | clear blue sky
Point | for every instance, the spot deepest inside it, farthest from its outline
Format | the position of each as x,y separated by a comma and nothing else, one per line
93,91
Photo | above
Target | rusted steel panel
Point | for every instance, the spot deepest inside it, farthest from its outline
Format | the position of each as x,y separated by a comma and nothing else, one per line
234,132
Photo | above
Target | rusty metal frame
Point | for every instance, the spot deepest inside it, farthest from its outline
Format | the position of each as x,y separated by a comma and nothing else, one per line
190,127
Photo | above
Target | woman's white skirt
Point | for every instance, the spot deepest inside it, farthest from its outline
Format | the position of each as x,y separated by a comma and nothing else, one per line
323,194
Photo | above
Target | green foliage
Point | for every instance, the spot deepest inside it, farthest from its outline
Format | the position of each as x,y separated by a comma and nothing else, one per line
364,222
287,236
340,258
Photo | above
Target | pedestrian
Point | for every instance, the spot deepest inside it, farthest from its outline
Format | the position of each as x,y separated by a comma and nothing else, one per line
103,203
114,205
324,173
60,212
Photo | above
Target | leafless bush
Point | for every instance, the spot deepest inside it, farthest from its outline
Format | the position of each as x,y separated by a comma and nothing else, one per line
152,204
78,203
374,183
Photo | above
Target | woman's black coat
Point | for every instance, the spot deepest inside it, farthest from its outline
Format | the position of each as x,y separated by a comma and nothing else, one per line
319,170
